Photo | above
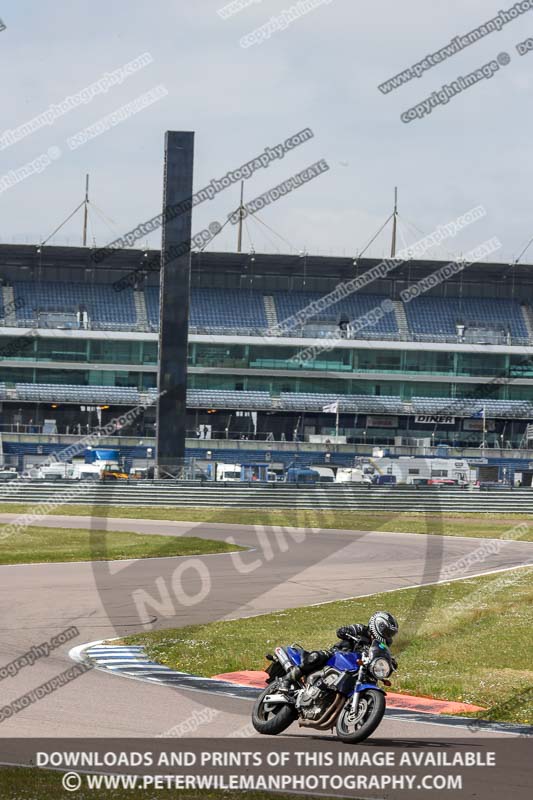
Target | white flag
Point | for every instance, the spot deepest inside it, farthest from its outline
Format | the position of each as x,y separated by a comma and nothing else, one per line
332,408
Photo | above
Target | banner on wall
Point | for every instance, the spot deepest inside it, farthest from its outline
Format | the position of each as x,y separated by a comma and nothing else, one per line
429,419
381,422
477,425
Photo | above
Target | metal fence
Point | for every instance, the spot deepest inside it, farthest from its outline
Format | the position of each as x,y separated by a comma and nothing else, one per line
342,497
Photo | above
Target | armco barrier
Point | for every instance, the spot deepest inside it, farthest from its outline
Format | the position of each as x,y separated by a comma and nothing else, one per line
282,496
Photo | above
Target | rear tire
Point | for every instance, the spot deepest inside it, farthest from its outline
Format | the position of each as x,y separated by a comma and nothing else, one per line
273,720
368,718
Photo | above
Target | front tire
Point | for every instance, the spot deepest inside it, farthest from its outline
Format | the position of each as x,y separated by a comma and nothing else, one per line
369,714
271,720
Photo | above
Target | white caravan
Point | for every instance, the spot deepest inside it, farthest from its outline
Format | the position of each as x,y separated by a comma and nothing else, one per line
229,472
326,474
412,470
66,472
352,475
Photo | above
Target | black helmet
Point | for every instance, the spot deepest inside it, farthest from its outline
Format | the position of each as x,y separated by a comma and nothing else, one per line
383,626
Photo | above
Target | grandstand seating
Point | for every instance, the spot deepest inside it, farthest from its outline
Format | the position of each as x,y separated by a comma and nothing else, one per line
367,404
466,407
73,393
353,307
118,395
151,297
225,310
216,309
294,457
439,315
303,401
105,307
249,400
222,398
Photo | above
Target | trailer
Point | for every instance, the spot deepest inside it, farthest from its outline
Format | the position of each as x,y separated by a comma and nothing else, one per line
352,475
430,471
326,474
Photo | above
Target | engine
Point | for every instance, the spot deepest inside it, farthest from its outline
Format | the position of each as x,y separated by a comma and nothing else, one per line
318,694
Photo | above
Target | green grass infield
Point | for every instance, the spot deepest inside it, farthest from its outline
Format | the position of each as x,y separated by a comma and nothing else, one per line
462,524
467,641
40,545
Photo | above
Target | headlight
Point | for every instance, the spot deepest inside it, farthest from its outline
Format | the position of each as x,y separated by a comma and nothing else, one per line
380,668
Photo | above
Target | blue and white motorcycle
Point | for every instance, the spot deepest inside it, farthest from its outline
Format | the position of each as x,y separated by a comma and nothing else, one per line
342,694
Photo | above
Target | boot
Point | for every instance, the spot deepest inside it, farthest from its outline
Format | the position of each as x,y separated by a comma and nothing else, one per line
292,676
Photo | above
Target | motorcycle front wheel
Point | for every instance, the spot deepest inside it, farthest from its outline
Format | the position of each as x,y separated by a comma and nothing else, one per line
271,719
354,728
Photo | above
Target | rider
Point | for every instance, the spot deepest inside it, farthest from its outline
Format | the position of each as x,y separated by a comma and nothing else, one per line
382,627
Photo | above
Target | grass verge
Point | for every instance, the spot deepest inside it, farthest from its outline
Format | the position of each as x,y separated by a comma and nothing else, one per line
476,525
20,783
468,641
38,545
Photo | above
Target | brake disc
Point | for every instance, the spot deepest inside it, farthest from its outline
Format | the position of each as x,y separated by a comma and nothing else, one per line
361,711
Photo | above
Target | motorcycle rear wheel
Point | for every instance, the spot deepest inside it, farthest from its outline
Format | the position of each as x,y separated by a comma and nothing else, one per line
273,720
370,713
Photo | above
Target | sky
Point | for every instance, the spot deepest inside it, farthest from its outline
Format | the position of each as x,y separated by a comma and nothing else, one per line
321,71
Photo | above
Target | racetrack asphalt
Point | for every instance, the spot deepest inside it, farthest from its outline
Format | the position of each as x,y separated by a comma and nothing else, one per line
38,601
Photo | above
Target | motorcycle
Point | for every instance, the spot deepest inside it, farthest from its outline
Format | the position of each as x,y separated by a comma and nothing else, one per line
342,694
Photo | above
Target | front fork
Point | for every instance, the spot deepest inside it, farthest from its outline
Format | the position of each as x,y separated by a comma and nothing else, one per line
355,701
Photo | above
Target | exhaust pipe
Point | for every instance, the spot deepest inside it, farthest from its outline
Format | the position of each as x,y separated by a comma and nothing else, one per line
283,659
327,720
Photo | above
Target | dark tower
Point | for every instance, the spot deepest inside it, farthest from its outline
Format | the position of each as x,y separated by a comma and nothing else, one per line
174,301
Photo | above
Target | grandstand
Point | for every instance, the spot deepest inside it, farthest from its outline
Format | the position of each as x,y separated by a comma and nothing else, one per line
449,367
35,301
430,316
217,310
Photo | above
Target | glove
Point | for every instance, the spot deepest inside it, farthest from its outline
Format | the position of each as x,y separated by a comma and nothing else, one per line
347,631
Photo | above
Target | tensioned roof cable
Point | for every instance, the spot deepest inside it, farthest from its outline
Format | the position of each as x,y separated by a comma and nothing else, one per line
268,238
286,241
111,224
373,239
401,227
63,223
201,249
449,254
249,234
524,251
